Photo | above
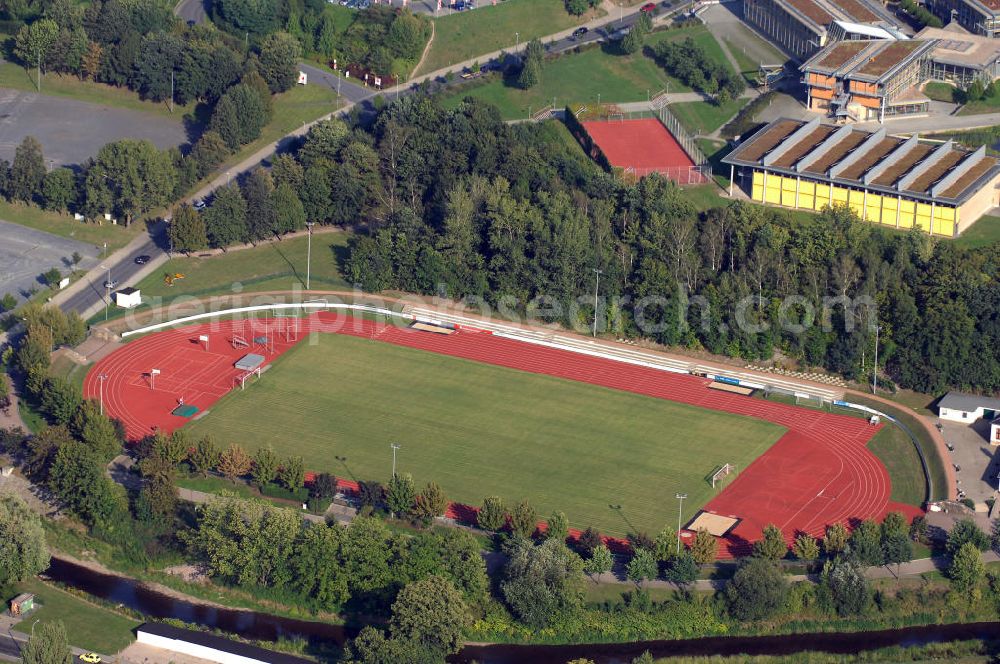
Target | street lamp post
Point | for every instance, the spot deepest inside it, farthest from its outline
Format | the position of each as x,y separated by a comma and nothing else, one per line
102,377
309,248
517,41
680,506
394,446
878,328
597,284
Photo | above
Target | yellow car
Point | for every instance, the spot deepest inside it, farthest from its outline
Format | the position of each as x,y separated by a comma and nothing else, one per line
91,658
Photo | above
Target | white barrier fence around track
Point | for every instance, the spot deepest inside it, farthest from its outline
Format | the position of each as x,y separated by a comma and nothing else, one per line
537,337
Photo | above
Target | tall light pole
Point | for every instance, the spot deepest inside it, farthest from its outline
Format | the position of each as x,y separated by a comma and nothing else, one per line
517,41
102,377
394,446
680,506
597,284
878,328
309,250
107,295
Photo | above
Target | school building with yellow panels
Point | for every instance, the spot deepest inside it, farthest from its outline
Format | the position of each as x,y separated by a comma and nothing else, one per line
900,182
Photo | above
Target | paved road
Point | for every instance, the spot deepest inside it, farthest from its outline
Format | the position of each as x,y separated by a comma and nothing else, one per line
191,10
25,253
122,268
72,131
349,90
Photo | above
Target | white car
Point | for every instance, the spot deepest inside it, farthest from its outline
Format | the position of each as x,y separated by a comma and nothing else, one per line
199,205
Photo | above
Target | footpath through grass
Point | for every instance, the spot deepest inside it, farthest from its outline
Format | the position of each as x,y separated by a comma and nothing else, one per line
479,430
464,35
88,625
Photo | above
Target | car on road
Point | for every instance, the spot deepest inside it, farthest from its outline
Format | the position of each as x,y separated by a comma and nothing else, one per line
648,7
142,260
111,283
468,74
199,205
666,4
579,32
90,658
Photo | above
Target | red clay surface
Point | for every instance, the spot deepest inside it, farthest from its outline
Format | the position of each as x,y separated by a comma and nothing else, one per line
639,144
820,472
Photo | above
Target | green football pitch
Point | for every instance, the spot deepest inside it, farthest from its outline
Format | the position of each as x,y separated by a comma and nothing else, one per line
608,459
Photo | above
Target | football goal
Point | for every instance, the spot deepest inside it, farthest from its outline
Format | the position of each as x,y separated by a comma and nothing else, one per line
720,475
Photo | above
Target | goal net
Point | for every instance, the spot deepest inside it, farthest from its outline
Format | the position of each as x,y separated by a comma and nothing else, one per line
720,475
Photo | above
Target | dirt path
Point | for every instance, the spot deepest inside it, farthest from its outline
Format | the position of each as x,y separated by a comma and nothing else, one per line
427,49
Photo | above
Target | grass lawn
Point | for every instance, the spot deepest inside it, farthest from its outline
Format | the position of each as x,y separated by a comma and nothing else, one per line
581,77
64,225
940,91
983,233
464,35
984,105
59,85
216,485
577,77
479,430
702,117
935,465
80,617
271,266
749,67
896,452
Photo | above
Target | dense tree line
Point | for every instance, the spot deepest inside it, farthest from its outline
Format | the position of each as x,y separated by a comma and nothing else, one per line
140,44
689,62
457,201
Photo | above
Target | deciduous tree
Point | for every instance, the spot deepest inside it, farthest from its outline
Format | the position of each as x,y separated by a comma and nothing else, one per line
757,590
400,494
234,462
187,230
23,553
265,466
432,614
27,171
492,516
48,645
523,519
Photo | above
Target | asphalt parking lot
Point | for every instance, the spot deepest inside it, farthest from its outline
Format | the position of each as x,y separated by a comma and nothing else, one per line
72,131
26,253
975,457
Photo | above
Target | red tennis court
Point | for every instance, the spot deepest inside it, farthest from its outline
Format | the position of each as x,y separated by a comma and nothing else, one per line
820,472
642,147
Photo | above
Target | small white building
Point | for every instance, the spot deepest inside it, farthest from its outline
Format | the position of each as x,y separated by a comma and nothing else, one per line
209,647
967,408
128,298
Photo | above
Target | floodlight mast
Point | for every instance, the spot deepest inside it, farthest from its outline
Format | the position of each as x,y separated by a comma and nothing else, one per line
680,504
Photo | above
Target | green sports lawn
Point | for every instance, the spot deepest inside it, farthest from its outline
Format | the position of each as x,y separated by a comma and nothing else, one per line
480,430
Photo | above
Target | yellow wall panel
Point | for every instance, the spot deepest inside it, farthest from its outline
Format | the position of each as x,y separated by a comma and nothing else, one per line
806,187
857,197
943,227
839,195
906,219
758,193
822,194
874,214
758,179
923,210
908,207
807,201
922,222
788,184
944,213
788,198
773,195
889,203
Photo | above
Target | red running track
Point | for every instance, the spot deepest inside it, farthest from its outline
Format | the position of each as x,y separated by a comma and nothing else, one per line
820,472
639,144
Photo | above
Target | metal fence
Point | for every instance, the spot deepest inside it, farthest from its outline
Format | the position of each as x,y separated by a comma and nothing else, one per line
683,138
679,174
